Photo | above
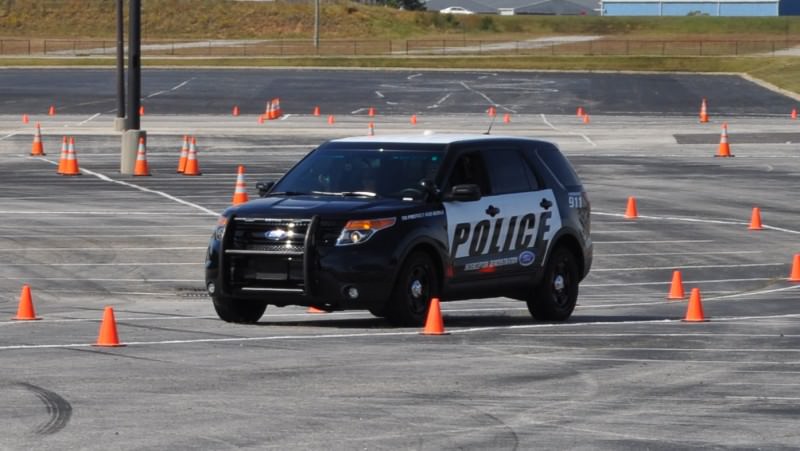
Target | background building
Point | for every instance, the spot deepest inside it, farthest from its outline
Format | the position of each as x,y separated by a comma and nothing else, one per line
699,7
540,7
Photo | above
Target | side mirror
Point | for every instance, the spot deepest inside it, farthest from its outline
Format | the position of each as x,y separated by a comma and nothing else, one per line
431,190
464,193
264,188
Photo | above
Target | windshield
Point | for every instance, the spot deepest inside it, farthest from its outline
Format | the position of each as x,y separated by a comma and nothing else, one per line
374,172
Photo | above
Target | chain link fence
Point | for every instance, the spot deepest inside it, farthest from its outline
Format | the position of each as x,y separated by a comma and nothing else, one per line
416,47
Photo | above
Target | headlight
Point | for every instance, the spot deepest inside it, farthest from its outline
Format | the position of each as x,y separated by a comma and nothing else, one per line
358,231
219,230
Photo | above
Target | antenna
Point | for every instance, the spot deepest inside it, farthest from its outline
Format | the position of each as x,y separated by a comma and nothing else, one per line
489,130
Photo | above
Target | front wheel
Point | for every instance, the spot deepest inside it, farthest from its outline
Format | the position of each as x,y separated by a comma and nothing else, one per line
555,297
417,283
238,310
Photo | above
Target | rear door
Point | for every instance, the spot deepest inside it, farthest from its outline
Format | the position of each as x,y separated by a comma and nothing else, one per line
507,230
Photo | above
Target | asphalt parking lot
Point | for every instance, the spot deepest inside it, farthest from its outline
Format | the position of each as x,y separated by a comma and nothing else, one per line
623,373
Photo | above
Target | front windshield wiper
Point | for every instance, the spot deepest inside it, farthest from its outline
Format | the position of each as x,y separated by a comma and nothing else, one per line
347,193
287,193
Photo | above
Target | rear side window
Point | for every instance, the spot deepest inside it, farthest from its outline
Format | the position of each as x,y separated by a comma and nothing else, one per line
557,163
507,171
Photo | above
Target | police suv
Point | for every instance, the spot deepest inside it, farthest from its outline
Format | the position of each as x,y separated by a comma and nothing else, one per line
385,223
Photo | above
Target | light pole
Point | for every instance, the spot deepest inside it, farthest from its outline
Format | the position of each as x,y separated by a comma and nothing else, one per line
316,24
119,122
130,139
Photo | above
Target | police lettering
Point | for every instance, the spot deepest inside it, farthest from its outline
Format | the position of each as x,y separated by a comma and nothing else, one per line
486,236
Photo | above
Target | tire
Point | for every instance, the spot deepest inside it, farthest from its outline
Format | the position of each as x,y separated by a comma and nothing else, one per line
554,298
416,284
239,311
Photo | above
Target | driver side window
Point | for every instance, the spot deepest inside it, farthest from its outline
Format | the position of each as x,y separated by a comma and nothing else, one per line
470,169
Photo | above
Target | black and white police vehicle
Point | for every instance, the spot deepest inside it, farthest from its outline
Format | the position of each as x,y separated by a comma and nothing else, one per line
385,223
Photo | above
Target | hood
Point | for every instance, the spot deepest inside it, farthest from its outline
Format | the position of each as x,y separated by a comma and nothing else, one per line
327,206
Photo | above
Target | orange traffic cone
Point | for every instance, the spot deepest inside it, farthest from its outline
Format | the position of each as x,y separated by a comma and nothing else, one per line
235,110
371,129
676,289
579,112
268,111
25,311
62,159
316,111
630,211
240,192
413,119
794,276
794,114
51,111
141,167
192,166
492,111
141,110
37,149
694,312
276,108
71,161
755,220
724,147
506,118
371,112
586,119
184,155
331,120
703,111
315,310
434,324
108,330
25,119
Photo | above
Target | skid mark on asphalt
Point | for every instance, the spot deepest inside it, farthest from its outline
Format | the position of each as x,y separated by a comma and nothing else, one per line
58,409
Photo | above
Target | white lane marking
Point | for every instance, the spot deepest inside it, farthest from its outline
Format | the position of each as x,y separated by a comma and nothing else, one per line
152,191
439,102
156,94
90,119
405,333
378,93
660,268
654,254
698,220
643,284
105,264
357,111
182,84
653,242
762,398
585,138
103,248
411,77
72,279
100,213
14,133
116,235
488,99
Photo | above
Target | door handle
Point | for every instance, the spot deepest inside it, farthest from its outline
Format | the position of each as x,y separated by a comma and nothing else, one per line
546,204
492,211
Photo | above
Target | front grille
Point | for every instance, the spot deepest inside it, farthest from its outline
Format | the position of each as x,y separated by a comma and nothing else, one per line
265,253
274,236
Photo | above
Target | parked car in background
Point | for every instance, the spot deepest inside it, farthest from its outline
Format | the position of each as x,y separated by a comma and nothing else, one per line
455,10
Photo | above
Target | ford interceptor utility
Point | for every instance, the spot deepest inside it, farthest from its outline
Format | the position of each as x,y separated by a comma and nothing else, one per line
386,223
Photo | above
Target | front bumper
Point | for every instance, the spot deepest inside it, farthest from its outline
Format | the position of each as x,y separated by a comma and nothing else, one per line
318,274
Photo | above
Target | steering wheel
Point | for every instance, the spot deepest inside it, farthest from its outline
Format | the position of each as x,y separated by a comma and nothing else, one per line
411,192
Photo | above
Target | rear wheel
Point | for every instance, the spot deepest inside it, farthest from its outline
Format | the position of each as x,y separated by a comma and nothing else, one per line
555,297
237,310
417,283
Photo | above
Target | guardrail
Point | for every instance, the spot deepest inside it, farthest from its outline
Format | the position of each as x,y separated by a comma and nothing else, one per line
417,47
